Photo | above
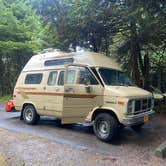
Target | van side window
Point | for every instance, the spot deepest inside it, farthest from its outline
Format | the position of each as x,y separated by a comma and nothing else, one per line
86,77
52,78
71,73
58,62
61,78
33,78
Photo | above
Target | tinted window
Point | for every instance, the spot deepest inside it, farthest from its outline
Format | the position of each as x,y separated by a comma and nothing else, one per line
58,62
61,78
33,78
86,77
52,78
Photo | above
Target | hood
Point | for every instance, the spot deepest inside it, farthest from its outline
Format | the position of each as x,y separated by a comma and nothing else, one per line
127,91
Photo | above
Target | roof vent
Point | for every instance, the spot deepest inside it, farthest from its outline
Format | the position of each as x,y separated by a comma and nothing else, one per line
49,50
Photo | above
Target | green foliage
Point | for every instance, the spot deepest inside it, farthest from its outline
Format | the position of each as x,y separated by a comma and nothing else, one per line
130,30
140,41
5,98
84,23
21,35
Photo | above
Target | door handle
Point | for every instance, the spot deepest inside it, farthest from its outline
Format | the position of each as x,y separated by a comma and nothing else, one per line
69,90
88,89
57,89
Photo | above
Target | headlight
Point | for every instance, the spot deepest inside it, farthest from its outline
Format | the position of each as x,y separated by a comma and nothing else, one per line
130,106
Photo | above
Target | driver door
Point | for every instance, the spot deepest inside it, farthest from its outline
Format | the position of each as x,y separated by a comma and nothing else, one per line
82,93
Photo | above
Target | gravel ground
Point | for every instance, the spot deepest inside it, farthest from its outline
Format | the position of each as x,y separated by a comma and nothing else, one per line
131,149
25,150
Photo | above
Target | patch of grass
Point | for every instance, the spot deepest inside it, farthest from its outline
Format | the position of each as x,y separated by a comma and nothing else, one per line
5,98
21,163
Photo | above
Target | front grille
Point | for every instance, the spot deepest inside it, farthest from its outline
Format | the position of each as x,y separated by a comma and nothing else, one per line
149,102
142,105
137,105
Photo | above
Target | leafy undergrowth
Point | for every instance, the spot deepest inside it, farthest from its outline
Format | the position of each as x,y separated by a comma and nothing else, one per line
5,98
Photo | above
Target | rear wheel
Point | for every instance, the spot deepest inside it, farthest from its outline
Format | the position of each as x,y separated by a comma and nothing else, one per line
30,115
105,127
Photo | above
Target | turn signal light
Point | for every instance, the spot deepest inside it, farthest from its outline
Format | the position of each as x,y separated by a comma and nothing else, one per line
121,102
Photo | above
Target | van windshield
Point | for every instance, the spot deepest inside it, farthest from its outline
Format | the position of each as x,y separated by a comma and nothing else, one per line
115,77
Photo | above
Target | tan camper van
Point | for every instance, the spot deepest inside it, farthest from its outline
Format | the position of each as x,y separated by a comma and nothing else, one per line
81,87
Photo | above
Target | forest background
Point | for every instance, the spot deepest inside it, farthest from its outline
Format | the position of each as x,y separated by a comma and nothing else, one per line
131,31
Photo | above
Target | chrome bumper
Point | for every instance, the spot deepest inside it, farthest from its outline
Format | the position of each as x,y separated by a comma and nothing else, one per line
137,119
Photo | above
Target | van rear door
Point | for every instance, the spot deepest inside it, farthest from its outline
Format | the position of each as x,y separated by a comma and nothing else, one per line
82,93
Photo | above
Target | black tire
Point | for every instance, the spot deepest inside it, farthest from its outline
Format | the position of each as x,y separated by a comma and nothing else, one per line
121,127
30,115
137,127
105,127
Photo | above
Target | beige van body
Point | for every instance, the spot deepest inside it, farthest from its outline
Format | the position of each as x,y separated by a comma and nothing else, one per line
54,84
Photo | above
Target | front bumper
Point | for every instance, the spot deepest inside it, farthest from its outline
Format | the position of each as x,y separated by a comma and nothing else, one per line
137,119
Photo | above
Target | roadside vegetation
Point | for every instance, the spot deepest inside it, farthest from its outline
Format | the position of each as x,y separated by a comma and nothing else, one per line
5,98
131,31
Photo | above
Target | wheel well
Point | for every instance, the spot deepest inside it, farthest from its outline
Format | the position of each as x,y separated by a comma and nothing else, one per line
98,111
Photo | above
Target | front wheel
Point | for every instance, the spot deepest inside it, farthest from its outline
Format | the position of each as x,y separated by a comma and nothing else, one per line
30,115
105,127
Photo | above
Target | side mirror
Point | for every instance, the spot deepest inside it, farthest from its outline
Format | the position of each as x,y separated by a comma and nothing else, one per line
88,89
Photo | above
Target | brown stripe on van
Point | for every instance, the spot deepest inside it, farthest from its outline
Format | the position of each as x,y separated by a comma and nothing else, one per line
79,95
43,93
60,94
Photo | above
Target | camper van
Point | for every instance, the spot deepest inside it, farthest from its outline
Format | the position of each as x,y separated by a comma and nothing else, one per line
81,87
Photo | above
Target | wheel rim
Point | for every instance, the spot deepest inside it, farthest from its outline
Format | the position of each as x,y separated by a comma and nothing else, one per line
102,128
29,114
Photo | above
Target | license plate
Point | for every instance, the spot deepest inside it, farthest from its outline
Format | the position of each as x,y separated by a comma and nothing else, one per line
146,118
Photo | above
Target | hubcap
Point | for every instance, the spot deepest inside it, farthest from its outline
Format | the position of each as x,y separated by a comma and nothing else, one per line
103,128
29,114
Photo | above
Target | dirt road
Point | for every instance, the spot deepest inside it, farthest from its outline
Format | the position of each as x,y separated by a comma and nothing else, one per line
50,143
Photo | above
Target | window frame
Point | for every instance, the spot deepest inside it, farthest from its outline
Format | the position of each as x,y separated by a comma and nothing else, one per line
28,74
61,71
55,71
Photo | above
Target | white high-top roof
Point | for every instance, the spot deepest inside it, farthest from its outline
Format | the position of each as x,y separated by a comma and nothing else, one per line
90,59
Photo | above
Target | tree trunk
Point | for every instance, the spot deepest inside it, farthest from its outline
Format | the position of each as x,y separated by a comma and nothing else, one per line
107,44
134,62
94,43
146,75
1,77
159,78
135,54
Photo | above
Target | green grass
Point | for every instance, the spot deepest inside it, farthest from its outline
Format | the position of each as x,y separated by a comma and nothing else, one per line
5,98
